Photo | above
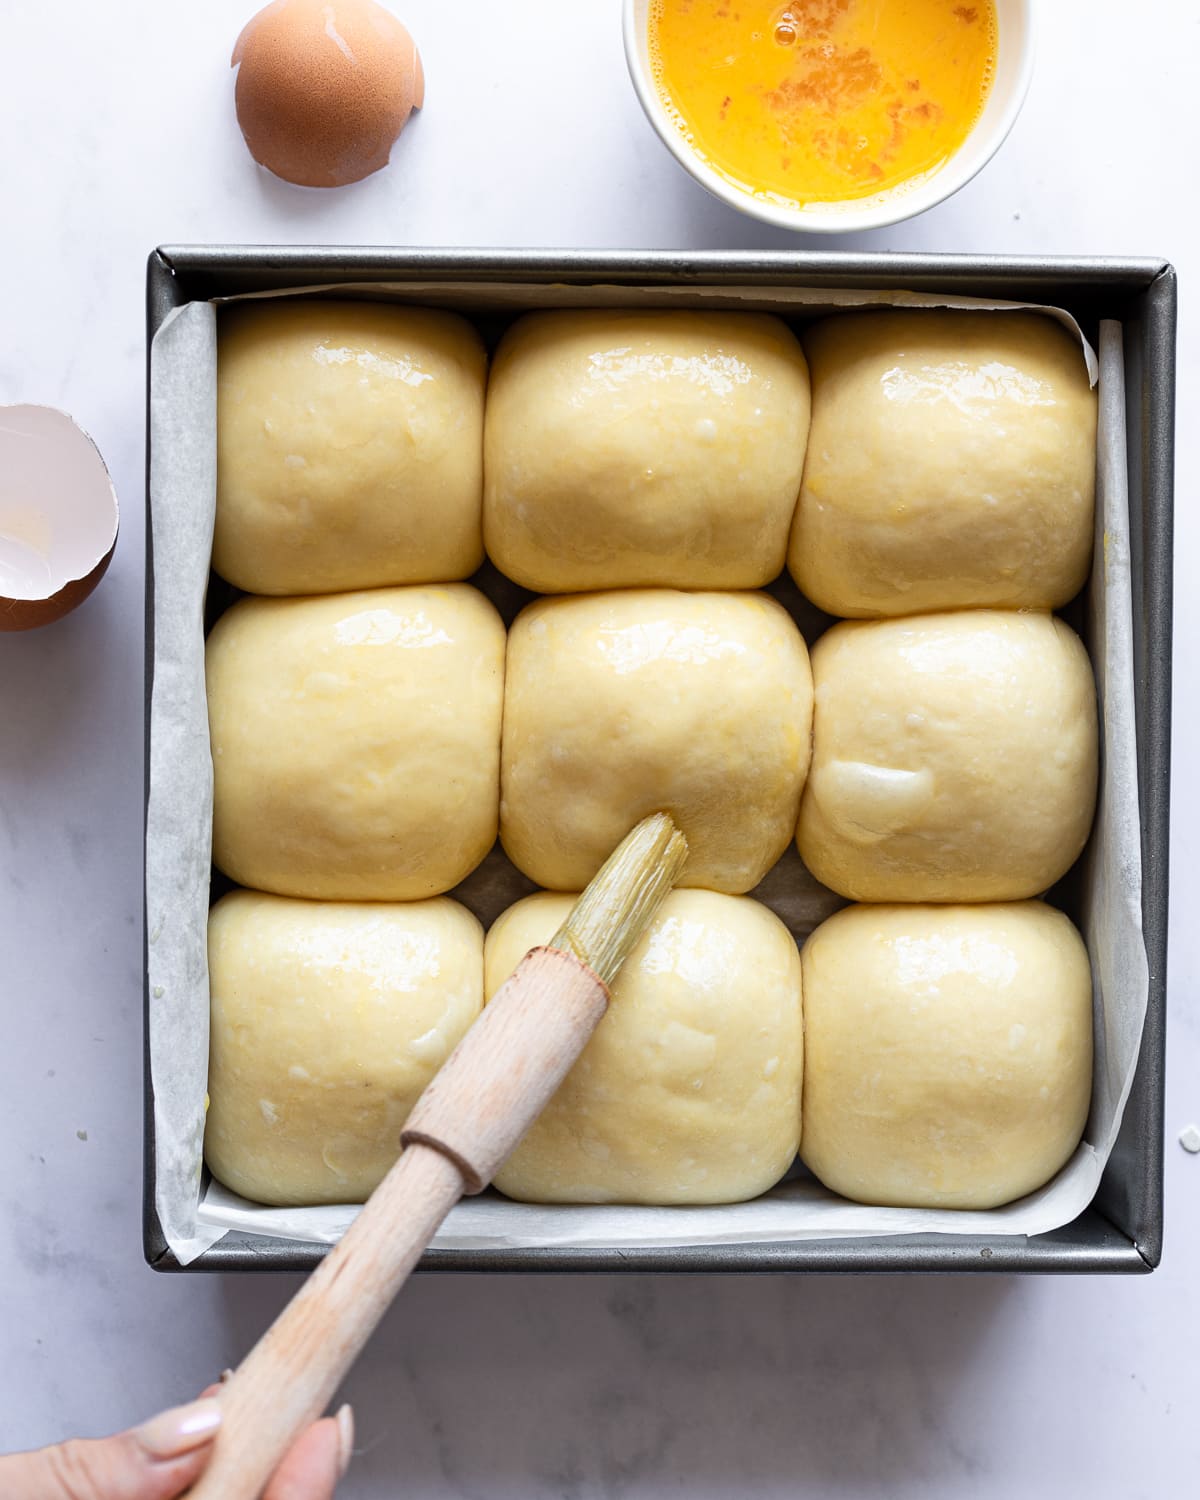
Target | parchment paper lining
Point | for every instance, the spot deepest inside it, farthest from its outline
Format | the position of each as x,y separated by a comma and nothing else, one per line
182,493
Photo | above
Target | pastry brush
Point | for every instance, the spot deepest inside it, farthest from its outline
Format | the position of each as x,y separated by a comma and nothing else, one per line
486,1096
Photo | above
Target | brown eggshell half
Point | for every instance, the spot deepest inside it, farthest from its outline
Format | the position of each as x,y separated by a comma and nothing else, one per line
324,87
58,516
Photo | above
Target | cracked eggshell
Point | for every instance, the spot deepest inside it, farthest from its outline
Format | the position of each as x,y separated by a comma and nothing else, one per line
58,516
324,87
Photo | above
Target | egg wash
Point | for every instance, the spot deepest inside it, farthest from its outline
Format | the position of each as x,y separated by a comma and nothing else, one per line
819,102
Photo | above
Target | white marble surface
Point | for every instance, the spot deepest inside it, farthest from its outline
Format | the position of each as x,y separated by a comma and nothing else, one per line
117,134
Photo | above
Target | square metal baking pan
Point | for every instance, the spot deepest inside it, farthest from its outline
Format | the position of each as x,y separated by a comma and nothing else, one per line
1122,1230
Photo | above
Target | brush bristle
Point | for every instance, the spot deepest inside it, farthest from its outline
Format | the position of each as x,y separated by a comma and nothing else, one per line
609,918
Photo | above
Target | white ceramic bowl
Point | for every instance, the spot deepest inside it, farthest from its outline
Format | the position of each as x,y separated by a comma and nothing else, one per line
1014,67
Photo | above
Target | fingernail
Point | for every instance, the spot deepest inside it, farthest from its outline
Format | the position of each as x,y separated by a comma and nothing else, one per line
345,1423
226,1375
181,1429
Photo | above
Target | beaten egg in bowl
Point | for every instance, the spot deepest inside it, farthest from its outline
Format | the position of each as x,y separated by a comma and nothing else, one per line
831,114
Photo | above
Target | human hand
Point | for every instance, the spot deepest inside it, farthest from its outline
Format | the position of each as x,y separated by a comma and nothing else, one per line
166,1455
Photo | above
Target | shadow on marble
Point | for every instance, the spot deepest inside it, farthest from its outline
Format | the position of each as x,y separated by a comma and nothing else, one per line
54,683
585,1388
306,206
704,222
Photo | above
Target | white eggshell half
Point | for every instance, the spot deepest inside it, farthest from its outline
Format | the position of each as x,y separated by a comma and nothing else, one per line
58,516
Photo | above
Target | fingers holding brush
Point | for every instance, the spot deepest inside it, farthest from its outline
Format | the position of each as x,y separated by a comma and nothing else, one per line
165,1456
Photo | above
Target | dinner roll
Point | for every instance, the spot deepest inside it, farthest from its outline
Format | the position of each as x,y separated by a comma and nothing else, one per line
653,448
948,1052
951,464
356,741
954,757
349,446
689,1090
623,704
328,1020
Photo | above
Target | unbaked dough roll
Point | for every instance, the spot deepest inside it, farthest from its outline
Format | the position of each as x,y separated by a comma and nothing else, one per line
623,704
643,448
951,463
356,741
349,446
948,1052
954,757
328,1020
689,1090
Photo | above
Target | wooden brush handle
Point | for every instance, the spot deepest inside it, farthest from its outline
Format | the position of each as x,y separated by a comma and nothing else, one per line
287,1379
508,1066
491,1089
